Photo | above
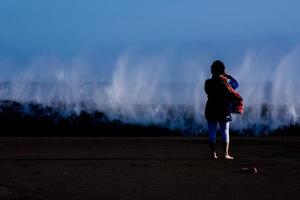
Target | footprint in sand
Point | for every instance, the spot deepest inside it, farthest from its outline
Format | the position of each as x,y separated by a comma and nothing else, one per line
11,192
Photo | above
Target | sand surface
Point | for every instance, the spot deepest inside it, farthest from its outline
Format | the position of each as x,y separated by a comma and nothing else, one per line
147,168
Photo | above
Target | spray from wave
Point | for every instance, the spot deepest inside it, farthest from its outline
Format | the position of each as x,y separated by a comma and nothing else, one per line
153,90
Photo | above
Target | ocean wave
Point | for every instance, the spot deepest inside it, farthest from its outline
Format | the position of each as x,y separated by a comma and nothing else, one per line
83,119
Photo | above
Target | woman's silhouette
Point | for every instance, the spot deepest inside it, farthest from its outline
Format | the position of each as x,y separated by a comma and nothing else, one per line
220,95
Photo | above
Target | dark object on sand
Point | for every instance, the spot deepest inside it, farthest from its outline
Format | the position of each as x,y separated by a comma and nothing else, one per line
249,170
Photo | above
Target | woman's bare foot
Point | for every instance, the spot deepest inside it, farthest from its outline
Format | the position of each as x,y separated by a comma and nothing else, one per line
214,156
228,157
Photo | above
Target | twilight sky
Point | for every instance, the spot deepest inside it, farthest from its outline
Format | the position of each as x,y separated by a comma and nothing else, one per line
70,27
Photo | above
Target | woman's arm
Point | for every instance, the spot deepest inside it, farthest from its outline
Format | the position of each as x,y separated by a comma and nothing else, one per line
206,86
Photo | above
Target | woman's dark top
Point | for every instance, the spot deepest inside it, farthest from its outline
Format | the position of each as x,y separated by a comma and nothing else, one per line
217,107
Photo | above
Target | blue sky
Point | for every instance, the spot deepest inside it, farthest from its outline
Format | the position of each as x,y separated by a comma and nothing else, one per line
70,27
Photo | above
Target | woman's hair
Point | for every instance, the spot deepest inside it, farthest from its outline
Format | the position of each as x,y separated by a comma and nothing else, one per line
217,67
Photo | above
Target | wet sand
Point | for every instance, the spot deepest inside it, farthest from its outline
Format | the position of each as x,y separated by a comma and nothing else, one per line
147,168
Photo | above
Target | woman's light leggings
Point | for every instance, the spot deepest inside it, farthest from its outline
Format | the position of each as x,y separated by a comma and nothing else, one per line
212,131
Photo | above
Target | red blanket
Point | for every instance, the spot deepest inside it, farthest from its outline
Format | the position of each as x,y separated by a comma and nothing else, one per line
235,101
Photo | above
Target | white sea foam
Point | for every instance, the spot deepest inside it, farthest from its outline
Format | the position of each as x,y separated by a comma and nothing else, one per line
144,89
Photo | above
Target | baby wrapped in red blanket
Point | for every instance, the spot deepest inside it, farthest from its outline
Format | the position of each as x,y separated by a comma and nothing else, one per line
235,101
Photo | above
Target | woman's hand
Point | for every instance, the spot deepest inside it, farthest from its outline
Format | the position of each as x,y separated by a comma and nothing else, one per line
228,76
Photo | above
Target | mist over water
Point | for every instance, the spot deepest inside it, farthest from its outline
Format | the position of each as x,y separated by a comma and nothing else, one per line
161,88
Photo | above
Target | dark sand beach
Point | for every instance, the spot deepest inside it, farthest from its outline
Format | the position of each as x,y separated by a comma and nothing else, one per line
147,168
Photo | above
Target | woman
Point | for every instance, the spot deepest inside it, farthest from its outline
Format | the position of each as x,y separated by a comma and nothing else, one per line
220,95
